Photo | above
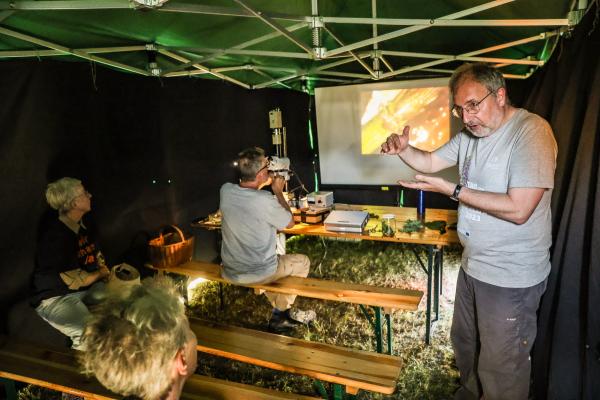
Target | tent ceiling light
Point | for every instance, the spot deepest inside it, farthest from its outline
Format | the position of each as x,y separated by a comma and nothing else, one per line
149,3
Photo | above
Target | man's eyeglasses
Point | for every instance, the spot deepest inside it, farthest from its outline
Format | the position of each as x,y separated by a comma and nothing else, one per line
264,167
471,107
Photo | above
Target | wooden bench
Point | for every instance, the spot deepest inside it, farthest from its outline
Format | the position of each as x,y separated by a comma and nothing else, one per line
343,367
58,370
379,298
388,298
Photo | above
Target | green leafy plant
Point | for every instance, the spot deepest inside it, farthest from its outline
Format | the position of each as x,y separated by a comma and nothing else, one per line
412,225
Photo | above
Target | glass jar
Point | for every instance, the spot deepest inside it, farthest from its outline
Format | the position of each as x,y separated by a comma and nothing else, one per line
388,225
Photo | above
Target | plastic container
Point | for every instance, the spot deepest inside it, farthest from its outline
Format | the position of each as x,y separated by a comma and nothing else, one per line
388,225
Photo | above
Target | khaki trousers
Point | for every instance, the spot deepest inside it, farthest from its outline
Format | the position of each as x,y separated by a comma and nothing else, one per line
287,265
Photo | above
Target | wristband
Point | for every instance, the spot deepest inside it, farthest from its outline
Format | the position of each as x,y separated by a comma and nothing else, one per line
456,192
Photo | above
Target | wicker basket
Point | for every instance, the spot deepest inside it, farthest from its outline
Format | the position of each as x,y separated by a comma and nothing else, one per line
167,250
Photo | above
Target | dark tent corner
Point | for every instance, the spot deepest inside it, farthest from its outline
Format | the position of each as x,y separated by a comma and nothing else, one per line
155,152
567,92
566,357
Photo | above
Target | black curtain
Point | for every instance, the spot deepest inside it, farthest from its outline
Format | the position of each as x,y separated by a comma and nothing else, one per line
151,152
155,152
566,358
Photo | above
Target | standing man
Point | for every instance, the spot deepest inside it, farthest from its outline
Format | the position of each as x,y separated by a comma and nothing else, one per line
251,219
506,158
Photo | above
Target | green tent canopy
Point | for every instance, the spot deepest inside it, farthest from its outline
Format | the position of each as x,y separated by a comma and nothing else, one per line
294,44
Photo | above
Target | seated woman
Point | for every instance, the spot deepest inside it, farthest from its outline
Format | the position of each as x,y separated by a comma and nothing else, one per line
67,261
139,342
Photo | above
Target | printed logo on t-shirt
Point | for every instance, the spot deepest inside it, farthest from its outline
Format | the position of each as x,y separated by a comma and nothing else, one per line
471,213
86,254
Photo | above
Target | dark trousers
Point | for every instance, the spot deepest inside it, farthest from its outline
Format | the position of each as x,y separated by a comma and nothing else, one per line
493,330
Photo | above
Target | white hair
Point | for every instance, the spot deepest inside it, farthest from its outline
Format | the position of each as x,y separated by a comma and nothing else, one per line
131,342
60,193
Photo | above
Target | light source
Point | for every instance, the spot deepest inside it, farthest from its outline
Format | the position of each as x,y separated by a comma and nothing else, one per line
193,285
148,3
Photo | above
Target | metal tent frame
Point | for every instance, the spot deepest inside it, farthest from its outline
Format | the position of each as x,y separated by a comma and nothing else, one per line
353,62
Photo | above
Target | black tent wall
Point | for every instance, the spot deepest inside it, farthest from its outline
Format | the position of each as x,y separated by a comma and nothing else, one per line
150,152
566,359
120,133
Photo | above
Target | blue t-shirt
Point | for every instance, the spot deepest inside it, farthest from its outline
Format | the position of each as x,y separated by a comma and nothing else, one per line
251,219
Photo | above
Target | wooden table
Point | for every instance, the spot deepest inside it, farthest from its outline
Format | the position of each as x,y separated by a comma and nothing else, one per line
432,240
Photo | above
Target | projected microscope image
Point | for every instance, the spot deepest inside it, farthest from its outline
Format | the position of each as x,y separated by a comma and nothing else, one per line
426,110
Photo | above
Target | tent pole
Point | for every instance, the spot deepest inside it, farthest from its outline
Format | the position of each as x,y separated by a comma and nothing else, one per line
77,53
412,29
240,46
201,67
275,26
481,51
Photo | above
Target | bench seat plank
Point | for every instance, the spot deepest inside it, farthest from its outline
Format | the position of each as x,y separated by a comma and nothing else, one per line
50,369
58,370
352,368
212,388
390,298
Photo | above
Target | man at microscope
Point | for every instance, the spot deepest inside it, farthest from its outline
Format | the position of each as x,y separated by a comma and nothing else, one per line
251,219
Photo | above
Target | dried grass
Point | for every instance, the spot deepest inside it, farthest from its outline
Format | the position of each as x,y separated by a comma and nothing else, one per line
428,371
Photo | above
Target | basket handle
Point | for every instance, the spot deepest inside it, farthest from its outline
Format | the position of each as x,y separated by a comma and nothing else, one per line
177,230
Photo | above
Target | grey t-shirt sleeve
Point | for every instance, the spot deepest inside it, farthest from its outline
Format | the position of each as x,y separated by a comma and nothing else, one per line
275,214
533,159
449,151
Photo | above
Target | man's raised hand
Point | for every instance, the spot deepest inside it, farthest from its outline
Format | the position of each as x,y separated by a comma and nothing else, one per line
395,143
278,184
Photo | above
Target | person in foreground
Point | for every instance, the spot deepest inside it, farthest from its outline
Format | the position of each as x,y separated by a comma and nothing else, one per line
251,219
68,261
139,344
506,159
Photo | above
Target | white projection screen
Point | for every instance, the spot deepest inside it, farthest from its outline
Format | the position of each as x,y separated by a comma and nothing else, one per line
353,122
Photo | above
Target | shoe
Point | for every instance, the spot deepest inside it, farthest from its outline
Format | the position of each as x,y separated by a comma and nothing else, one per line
302,316
281,324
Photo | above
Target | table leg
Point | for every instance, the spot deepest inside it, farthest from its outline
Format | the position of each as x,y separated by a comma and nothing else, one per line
378,330
429,293
338,392
377,325
388,319
321,389
441,250
436,282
